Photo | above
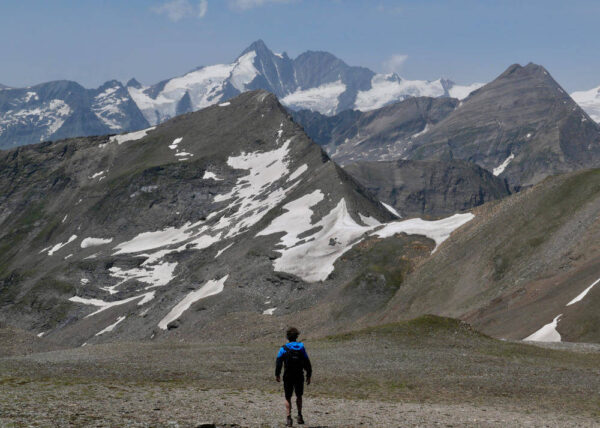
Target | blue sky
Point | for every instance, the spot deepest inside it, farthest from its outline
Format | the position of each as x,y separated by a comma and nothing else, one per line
92,41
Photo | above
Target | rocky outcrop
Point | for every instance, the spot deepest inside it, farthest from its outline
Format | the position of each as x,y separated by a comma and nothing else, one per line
382,134
429,188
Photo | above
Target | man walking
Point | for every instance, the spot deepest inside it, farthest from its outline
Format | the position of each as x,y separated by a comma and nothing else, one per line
295,359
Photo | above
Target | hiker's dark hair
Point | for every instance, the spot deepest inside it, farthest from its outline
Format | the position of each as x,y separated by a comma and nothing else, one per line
292,334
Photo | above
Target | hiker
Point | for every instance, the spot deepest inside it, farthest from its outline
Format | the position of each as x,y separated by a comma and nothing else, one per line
295,359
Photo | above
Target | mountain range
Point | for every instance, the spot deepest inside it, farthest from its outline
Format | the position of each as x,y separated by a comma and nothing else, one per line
314,80
219,220
522,126
230,221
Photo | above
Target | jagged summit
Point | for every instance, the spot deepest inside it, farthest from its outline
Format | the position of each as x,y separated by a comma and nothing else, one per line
258,46
133,83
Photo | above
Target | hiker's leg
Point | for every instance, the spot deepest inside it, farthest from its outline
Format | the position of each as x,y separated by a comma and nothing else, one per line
288,406
299,392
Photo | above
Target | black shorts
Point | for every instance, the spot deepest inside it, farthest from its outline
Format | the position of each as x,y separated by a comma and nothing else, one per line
293,384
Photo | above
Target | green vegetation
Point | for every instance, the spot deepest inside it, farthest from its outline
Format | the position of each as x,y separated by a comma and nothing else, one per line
418,328
560,197
18,231
384,264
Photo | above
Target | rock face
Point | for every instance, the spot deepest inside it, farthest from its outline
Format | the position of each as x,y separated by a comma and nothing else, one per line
524,263
522,126
381,134
62,109
429,188
215,224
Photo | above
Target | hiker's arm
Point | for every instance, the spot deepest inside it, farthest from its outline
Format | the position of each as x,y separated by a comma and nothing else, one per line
279,363
307,367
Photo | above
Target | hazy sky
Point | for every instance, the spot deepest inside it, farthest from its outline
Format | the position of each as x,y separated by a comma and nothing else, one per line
92,41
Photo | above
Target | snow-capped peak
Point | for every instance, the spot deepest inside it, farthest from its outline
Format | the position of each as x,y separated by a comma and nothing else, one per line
589,101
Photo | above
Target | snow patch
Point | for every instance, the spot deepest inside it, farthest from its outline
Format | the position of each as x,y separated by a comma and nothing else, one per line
438,230
500,168
175,143
132,136
61,244
209,289
221,251
298,172
211,176
547,333
151,240
391,209
103,305
269,311
421,132
98,174
111,327
225,104
583,293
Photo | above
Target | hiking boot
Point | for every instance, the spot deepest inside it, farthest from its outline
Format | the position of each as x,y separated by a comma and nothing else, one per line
289,422
300,420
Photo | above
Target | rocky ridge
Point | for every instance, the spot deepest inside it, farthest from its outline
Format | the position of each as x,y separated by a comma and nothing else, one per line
214,222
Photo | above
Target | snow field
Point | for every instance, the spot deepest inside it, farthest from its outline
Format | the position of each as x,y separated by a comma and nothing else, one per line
312,257
323,99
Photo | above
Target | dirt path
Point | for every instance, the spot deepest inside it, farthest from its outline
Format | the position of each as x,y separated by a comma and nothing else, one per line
98,405
419,374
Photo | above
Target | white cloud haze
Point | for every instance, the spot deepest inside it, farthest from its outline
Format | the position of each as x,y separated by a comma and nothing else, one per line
176,10
249,4
394,63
